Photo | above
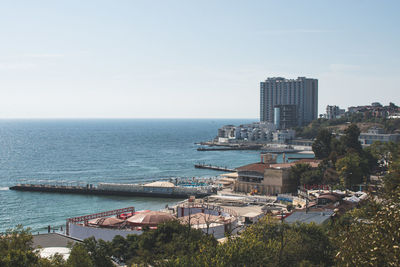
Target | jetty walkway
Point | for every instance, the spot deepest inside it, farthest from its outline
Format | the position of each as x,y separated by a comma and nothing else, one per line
226,148
115,190
212,167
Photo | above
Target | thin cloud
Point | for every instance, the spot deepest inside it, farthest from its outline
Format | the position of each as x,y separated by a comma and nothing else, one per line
44,55
344,67
294,31
17,66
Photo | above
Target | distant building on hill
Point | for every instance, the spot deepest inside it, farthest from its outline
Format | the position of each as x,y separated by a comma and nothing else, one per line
376,110
377,134
334,112
301,92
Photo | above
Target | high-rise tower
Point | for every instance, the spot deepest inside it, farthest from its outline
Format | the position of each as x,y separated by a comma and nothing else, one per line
301,92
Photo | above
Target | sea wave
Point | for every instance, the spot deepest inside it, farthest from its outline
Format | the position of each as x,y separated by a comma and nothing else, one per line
4,188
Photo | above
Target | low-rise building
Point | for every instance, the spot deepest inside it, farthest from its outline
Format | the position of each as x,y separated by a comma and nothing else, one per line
377,134
257,131
268,178
317,217
283,136
376,110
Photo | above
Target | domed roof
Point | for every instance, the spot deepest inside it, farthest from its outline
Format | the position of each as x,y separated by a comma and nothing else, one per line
110,221
150,218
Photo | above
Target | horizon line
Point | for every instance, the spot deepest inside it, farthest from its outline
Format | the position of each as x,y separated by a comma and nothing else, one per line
126,118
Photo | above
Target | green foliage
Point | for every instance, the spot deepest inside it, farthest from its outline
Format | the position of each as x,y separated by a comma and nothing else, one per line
384,153
392,178
169,241
79,257
330,176
57,260
267,243
311,131
16,248
303,173
371,237
350,139
121,247
297,171
322,144
390,126
352,170
99,251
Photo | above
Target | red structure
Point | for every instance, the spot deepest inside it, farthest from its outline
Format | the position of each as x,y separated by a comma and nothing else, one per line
86,218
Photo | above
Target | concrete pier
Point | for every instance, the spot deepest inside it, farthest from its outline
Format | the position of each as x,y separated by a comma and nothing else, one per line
86,190
212,167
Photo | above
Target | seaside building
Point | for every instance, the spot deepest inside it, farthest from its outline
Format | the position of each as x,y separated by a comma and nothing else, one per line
268,177
257,131
283,136
210,219
301,92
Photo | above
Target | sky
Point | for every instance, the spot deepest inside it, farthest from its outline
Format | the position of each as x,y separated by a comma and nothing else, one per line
191,59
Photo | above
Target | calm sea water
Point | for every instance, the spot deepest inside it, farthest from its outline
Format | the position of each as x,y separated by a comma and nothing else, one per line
99,151
91,151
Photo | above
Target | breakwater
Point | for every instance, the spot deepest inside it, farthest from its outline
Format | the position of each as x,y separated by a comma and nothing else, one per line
255,147
131,190
212,167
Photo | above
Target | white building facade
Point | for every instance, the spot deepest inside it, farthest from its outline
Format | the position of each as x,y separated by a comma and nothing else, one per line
302,92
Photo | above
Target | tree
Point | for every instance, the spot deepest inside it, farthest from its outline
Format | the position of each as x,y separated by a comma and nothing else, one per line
99,251
171,240
337,150
384,153
267,243
352,170
350,139
16,248
57,260
330,176
311,177
303,173
392,178
79,257
372,236
297,171
322,144
120,248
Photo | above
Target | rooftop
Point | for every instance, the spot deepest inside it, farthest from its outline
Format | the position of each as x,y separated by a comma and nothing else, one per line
254,167
52,240
316,217
312,162
261,166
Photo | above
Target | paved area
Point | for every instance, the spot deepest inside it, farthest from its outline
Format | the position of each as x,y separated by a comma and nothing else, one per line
254,209
52,240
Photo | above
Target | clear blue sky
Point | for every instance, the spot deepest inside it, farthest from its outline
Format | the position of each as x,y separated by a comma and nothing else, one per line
191,59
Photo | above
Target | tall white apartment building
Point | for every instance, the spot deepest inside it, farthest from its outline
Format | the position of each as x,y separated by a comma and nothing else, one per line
302,92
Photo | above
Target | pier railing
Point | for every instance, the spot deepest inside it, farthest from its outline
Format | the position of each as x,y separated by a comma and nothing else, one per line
213,167
143,188
208,207
86,218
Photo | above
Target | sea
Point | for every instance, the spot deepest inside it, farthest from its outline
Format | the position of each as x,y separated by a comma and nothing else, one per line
100,150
